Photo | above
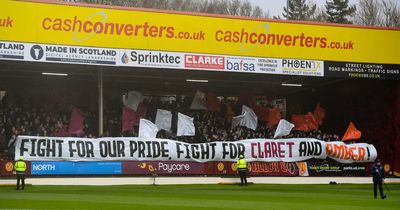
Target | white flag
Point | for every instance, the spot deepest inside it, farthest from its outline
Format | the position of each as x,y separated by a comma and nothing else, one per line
237,120
199,101
2,94
250,118
185,126
133,100
147,129
163,119
283,129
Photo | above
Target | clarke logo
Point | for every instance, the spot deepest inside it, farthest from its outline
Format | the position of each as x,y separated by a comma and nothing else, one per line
37,52
240,65
204,61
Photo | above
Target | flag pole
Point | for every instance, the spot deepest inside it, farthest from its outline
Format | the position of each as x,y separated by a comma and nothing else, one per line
100,98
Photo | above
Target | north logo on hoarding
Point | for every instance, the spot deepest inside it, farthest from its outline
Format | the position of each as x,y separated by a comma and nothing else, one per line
37,52
240,65
43,167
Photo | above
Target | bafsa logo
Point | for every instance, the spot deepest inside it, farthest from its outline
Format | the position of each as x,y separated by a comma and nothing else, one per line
240,65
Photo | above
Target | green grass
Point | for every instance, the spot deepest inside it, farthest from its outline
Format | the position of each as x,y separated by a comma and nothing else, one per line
324,197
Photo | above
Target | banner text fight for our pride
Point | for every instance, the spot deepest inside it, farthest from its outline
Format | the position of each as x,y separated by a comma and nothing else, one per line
122,148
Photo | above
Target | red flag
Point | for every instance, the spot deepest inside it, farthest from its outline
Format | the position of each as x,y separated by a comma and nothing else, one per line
261,112
319,114
62,132
352,133
76,122
140,113
131,118
212,102
128,119
299,122
312,123
274,116
229,113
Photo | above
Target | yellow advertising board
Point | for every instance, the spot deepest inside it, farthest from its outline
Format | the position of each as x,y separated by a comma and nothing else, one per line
77,25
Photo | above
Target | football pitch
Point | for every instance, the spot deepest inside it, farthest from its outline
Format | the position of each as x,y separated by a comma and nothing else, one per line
258,196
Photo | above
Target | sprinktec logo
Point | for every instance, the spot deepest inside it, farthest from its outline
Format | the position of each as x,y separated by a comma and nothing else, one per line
37,52
124,58
154,58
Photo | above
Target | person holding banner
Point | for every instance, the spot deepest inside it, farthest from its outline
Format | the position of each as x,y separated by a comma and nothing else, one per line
378,175
242,168
20,168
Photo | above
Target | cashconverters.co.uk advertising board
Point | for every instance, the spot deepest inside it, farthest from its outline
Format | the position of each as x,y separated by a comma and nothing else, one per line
43,32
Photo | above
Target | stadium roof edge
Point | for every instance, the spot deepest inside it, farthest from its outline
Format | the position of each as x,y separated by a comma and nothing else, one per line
206,14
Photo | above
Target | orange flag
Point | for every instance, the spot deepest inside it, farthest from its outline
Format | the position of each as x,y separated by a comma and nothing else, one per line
306,122
274,116
319,114
352,133
261,112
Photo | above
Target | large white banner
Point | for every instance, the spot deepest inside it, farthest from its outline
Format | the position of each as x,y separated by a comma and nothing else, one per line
34,148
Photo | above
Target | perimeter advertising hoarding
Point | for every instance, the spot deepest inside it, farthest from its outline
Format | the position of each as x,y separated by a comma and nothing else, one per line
157,59
7,168
210,168
258,169
99,27
151,59
57,53
75,168
362,70
336,169
182,168
163,168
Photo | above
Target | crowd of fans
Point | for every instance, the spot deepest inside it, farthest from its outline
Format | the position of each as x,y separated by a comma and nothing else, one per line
24,117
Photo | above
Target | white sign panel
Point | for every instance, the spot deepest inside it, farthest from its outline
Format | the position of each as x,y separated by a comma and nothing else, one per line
158,59
152,59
